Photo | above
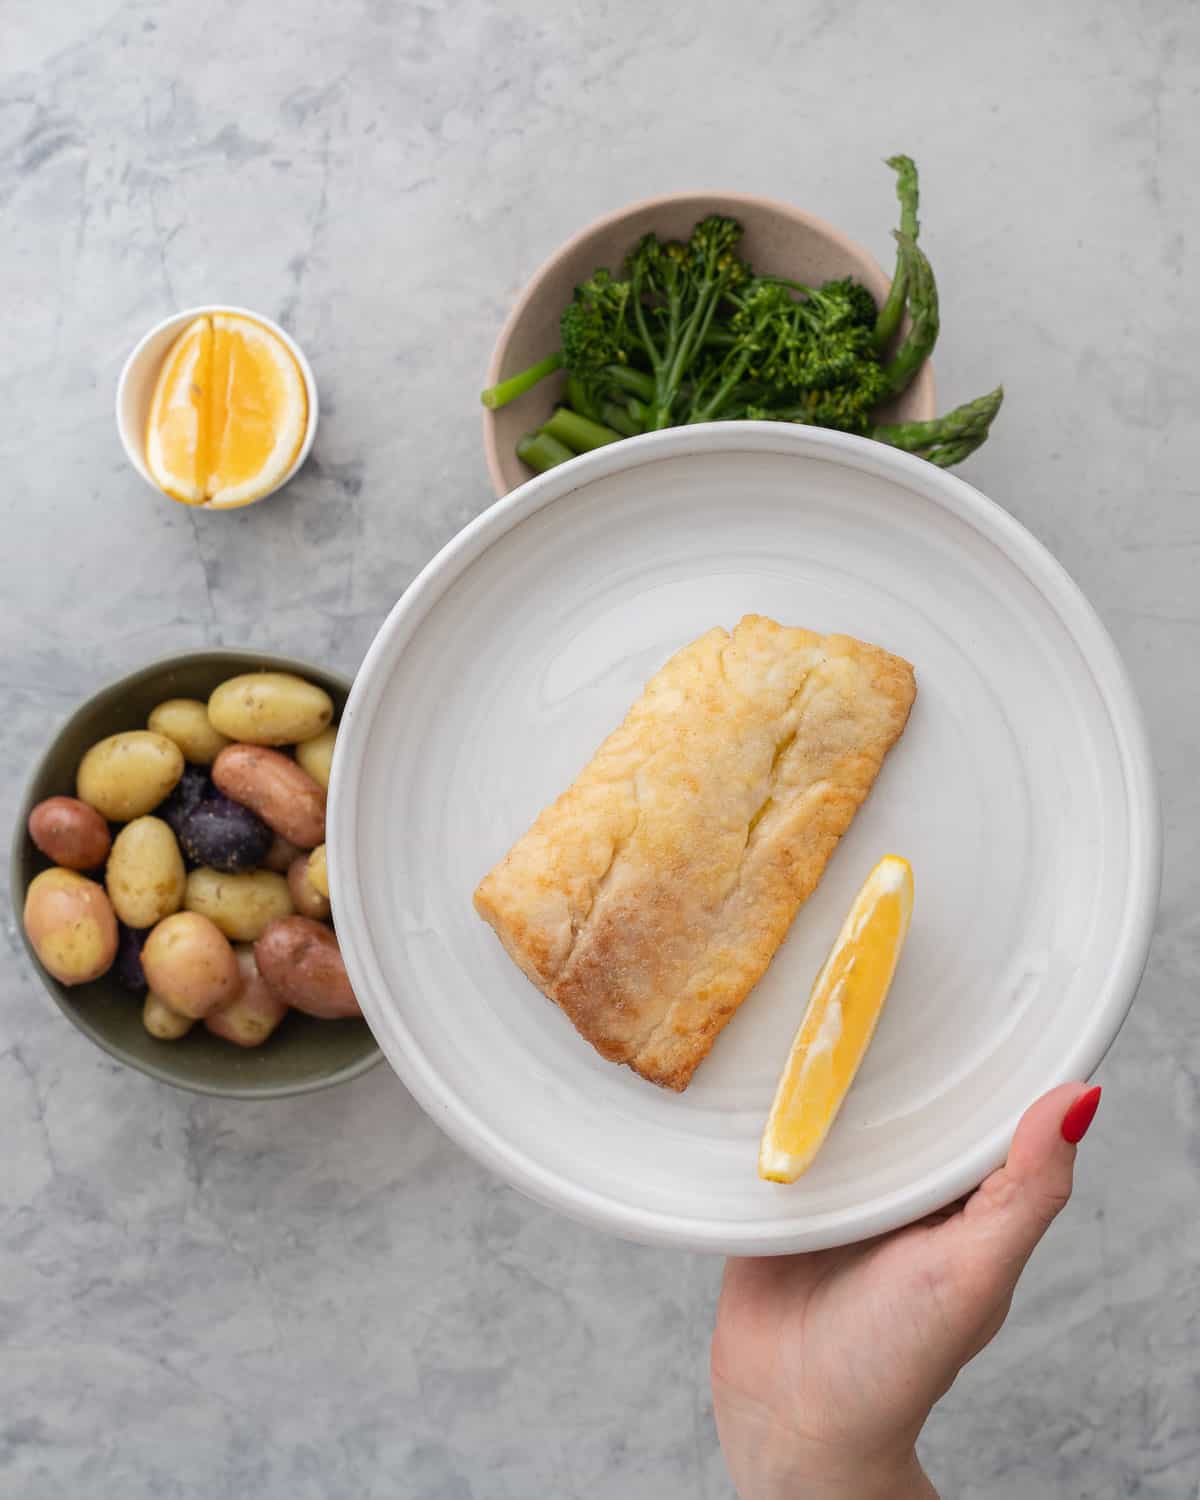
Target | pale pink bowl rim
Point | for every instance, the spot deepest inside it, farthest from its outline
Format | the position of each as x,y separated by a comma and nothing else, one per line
614,216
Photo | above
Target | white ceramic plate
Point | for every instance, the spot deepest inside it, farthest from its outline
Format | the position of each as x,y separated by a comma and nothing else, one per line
1022,792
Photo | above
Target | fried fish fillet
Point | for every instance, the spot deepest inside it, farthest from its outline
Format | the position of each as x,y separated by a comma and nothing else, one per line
649,899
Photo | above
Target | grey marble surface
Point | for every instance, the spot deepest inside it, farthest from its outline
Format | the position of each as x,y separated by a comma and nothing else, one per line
322,1297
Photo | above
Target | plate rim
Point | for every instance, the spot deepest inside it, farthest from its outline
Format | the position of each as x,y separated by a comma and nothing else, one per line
1061,594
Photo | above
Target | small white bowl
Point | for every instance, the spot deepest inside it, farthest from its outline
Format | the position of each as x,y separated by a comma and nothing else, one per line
135,388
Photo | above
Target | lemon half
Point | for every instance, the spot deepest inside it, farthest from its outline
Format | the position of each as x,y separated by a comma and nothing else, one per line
228,415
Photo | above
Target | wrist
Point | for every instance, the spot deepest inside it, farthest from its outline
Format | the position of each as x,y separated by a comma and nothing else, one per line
899,1479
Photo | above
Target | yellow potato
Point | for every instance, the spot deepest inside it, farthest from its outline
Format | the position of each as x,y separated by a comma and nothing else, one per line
269,708
190,965
145,875
308,901
71,925
240,905
128,774
318,870
162,1022
316,755
185,720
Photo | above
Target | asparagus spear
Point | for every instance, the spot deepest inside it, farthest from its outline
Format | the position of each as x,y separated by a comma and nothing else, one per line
945,440
922,301
892,311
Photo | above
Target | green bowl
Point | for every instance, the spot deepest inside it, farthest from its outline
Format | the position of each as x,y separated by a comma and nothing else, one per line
304,1054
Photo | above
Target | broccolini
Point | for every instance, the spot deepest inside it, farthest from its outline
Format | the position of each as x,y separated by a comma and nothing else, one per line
689,333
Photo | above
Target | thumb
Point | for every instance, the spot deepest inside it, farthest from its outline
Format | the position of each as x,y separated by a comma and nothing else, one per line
1003,1222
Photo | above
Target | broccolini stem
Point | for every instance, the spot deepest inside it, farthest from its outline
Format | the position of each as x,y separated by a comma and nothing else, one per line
633,381
618,418
578,398
892,311
945,440
578,432
922,300
686,341
541,451
639,318
516,385
712,408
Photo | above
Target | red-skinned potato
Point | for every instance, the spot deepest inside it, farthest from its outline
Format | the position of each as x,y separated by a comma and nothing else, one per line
70,922
307,900
302,963
285,797
70,833
190,965
280,855
256,1012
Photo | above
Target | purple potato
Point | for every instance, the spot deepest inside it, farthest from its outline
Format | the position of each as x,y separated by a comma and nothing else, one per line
128,965
225,835
192,788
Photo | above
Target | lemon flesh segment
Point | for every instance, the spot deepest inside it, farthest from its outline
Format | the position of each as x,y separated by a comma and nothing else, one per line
843,1011
258,412
177,428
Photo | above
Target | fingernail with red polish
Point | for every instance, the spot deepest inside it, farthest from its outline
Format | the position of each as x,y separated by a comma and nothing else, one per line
1080,1116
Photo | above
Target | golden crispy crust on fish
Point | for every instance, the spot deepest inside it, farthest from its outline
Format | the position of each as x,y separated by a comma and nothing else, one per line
650,898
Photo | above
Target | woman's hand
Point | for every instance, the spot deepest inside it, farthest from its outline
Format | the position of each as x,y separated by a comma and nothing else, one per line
825,1366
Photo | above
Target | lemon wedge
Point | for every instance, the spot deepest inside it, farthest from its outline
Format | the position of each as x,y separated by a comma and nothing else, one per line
176,452
843,1010
228,415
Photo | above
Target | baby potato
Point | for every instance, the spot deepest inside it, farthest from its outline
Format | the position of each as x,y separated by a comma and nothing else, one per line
318,870
222,833
302,964
316,755
71,925
127,775
256,1012
306,898
190,965
185,720
193,788
145,875
70,833
241,905
280,855
162,1022
283,795
269,708
127,967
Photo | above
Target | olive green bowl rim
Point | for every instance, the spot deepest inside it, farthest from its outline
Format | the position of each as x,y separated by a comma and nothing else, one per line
263,660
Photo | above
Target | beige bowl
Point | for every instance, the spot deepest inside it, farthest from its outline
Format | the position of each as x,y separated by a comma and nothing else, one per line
779,239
